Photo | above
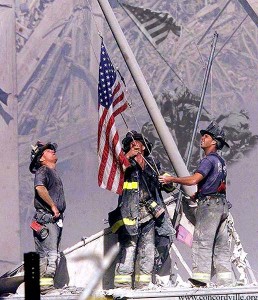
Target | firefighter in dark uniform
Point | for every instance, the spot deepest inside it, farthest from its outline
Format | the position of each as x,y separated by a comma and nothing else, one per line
211,250
141,219
50,205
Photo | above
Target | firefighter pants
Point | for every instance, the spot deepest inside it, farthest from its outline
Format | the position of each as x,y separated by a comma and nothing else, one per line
135,266
211,250
48,250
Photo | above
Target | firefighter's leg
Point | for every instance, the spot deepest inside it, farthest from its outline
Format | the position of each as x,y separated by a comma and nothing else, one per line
208,216
145,255
125,267
221,259
163,244
48,251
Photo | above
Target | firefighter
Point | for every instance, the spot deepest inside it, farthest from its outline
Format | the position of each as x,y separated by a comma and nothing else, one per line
49,202
211,251
140,217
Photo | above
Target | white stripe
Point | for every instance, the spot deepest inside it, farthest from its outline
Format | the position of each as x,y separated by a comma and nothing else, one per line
109,162
159,37
150,22
157,28
118,94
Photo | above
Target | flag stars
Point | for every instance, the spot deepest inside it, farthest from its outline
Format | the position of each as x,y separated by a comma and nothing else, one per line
107,79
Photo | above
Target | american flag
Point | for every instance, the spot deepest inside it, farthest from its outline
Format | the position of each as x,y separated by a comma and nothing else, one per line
154,24
111,102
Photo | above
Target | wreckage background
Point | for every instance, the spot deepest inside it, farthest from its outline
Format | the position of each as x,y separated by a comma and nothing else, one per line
58,102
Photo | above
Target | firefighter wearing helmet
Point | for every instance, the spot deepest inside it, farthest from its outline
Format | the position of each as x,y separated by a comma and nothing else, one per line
211,252
140,220
49,202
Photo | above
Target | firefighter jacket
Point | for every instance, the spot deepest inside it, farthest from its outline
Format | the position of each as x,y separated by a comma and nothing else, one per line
140,198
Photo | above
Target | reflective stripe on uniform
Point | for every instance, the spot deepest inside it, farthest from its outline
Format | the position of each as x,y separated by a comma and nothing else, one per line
166,174
153,204
143,278
124,221
130,185
123,278
224,275
45,281
204,277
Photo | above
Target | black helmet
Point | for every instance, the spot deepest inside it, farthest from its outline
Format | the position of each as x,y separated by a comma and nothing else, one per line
37,152
135,136
216,133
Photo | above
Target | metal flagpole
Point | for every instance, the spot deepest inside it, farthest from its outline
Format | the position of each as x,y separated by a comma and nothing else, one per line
204,87
209,28
205,82
144,90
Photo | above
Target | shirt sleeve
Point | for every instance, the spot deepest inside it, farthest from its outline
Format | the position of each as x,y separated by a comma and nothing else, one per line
40,177
204,167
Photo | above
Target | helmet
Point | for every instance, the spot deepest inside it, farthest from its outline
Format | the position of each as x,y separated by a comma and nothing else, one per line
216,133
37,152
135,136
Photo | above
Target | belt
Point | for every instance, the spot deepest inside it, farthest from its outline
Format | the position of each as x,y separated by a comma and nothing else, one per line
44,216
211,196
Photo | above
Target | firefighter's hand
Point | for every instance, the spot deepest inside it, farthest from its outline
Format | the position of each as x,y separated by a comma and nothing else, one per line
56,213
134,150
164,179
132,153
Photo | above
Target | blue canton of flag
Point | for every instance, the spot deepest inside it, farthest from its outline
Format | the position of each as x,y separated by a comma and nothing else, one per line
107,78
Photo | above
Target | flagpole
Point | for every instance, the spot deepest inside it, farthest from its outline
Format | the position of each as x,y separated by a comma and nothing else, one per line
204,87
146,94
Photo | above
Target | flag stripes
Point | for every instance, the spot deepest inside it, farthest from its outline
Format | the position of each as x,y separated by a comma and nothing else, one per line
155,25
111,100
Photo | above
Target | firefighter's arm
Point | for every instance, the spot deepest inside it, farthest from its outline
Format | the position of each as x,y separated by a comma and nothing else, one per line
188,180
126,159
44,195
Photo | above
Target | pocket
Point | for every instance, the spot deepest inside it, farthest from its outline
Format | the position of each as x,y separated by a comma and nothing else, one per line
43,217
40,230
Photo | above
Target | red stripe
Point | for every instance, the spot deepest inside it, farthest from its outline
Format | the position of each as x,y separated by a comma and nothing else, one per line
106,149
114,167
119,99
101,122
116,89
105,153
111,175
120,110
119,172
